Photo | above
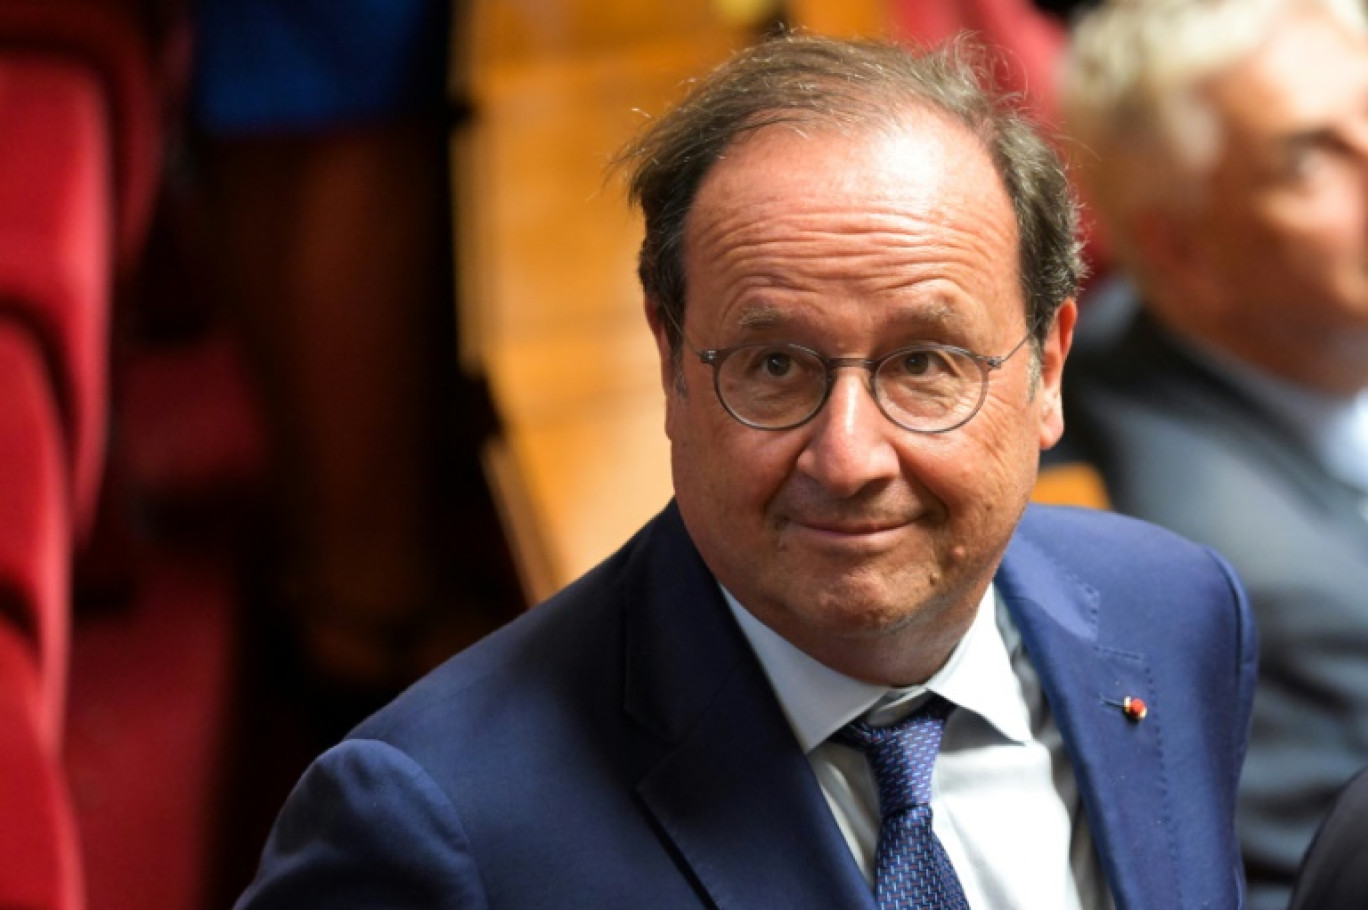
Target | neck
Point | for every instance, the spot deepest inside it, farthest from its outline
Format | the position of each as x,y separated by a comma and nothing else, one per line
897,658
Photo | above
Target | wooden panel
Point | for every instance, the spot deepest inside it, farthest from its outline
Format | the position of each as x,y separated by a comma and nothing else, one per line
575,489
547,244
546,258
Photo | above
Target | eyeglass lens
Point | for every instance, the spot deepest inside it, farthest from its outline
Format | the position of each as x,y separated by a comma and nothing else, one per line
775,386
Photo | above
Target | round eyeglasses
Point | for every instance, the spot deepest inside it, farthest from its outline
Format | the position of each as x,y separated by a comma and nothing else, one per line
925,388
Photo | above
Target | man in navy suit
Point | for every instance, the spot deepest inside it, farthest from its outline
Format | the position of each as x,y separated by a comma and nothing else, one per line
859,269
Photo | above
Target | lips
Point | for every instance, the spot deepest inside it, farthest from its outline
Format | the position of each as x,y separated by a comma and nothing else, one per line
847,527
862,517
846,531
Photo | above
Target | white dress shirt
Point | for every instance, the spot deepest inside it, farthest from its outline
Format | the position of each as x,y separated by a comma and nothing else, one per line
1004,800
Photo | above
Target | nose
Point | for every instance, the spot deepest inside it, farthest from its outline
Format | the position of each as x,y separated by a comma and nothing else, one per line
851,446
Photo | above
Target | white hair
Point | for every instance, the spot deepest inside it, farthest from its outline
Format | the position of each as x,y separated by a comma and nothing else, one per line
1130,91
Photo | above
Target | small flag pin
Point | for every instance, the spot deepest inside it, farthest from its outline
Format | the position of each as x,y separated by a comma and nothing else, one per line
1132,706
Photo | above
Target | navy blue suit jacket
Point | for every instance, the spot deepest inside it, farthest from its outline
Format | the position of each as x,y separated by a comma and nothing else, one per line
620,747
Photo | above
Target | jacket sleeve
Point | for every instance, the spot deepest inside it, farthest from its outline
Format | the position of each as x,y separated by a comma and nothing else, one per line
1246,668
1246,665
366,827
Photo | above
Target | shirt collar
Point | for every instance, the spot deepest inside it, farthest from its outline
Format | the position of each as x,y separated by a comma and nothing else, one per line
818,701
1335,428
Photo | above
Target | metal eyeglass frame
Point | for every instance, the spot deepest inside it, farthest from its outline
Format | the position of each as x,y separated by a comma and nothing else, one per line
715,357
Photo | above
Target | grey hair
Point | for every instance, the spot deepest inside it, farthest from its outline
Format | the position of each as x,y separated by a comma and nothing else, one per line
814,81
1130,93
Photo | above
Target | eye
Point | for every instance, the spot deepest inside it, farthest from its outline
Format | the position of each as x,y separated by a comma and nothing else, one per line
1301,161
1305,158
768,363
915,363
921,364
777,364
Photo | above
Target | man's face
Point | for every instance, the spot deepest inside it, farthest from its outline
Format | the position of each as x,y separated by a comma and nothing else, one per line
1284,229
866,545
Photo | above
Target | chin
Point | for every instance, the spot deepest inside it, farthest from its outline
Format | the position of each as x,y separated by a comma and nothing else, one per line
871,610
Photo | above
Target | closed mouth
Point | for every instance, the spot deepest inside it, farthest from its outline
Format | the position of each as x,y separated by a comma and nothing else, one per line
866,528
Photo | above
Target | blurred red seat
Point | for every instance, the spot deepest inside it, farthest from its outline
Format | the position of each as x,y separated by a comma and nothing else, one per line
37,835
80,120
109,38
55,244
35,535
41,867
79,110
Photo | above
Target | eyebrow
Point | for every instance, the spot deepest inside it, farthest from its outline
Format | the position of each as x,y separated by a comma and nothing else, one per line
936,313
761,317
1308,138
1334,134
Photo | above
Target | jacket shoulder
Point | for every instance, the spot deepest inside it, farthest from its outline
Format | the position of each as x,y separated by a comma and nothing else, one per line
1088,536
1148,576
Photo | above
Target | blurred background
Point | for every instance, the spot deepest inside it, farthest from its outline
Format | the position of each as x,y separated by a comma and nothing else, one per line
321,356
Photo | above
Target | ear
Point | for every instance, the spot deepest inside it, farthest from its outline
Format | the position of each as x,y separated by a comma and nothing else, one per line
655,317
1053,353
1170,243
671,370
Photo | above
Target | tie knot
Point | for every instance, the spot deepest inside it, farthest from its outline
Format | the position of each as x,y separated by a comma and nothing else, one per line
901,755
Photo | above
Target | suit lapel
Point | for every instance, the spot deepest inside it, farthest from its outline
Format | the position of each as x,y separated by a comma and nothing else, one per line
744,811
1119,763
731,790
733,794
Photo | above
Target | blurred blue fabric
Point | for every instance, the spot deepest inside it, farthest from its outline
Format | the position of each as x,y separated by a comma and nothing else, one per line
302,65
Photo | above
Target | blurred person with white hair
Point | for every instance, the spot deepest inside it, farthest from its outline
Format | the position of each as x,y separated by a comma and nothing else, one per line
1224,147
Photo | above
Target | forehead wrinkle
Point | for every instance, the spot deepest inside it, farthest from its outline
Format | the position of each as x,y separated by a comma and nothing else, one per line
854,238
877,251
917,282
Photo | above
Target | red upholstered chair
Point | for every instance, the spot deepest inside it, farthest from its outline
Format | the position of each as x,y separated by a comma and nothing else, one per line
80,162
108,38
78,165
41,868
37,833
55,235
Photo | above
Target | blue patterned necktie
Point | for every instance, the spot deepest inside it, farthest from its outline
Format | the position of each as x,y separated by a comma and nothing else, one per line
912,870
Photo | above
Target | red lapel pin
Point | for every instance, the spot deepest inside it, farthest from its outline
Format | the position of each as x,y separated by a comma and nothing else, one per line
1132,707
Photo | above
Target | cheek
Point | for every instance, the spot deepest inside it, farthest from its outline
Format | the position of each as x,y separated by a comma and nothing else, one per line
1310,236
1332,247
992,460
730,469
